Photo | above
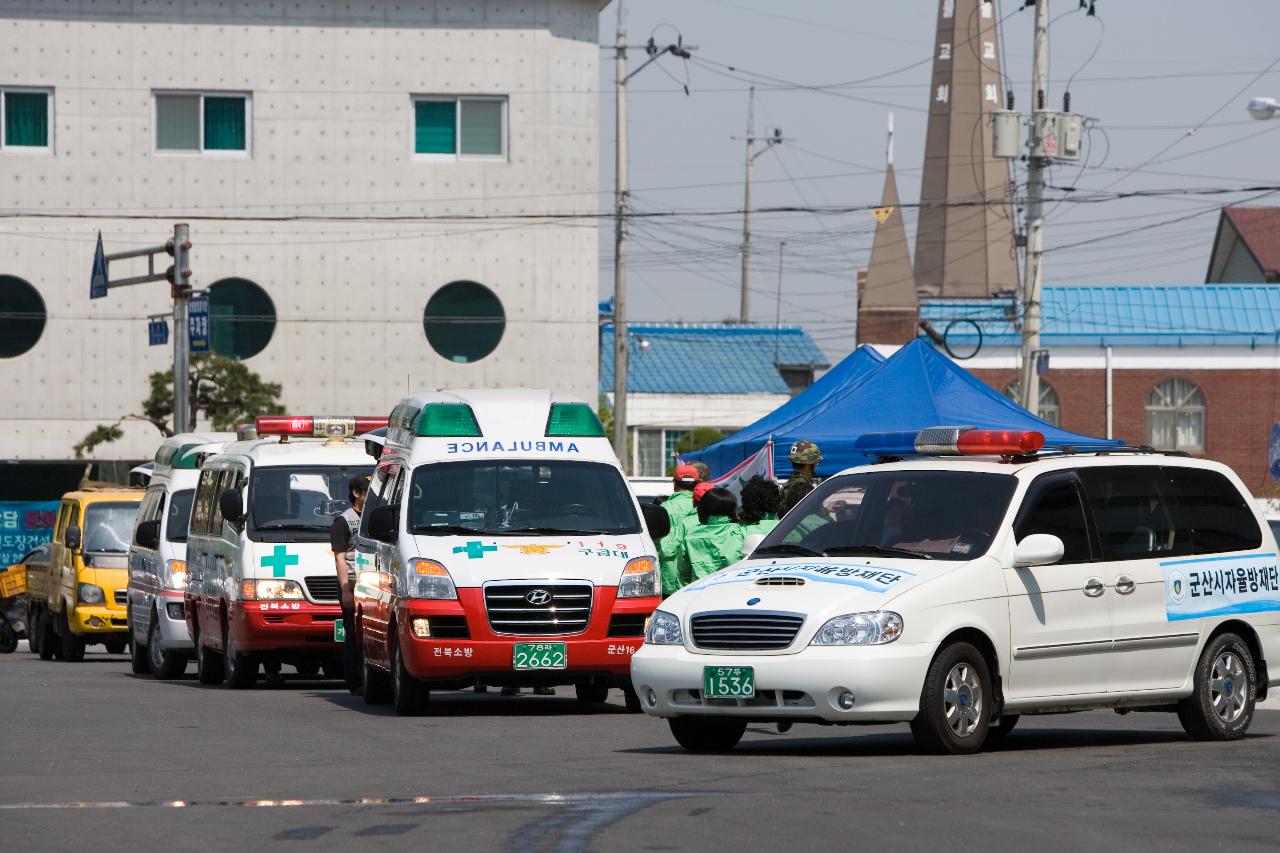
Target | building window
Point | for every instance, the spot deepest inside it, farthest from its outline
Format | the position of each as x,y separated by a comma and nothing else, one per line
242,318
199,122
26,119
655,451
464,321
22,316
1049,410
1175,416
460,127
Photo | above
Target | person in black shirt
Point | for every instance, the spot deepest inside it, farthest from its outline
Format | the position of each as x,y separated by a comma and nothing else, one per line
342,538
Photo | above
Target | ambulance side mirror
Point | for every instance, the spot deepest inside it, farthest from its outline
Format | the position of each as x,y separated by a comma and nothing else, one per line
72,537
656,520
383,523
232,507
148,534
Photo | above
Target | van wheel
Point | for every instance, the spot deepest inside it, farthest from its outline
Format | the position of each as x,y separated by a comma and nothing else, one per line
72,646
139,662
955,703
632,700
33,630
592,693
165,664
409,696
116,647
50,642
1006,724
8,638
377,683
241,670
1226,685
707,734
208,663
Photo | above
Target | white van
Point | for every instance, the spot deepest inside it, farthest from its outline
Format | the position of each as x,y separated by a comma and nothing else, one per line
158,637
261,585
499,546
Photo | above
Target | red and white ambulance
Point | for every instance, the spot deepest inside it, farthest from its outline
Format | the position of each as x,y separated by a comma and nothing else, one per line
500,546
261,585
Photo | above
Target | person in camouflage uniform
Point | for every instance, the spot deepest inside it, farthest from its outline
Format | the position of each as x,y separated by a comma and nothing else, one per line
804,457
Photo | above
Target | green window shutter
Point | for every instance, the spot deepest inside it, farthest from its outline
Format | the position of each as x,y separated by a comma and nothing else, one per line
434,130
178,122
26,119
482,128
224,124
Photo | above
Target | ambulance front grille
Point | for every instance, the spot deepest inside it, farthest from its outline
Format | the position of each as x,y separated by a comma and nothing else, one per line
322,587
532,609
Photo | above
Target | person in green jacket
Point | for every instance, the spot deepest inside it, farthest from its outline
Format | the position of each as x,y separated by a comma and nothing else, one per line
717,541
761,499
679,507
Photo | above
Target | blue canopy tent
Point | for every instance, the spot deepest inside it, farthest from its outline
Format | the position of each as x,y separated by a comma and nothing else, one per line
917,387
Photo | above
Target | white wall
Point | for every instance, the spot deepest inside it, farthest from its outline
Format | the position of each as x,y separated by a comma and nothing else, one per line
331,143
682,411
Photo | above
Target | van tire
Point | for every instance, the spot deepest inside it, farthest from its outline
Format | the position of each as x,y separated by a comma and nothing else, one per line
164,664
72,646
409,696
962,733
240,670
116,647
591,692
208,663
50,642
1210,712
139,663
377,683
707,734
33,629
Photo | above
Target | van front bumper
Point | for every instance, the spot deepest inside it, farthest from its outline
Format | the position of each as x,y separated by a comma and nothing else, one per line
262,626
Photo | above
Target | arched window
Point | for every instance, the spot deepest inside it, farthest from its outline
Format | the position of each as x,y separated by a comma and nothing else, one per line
242,318
464,321
1048,410
1175,415
22,316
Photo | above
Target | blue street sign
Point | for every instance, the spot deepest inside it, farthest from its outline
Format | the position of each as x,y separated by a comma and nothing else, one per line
1042,361
157,333
198,323
98,278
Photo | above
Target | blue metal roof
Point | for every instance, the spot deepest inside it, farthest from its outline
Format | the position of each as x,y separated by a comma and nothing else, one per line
1121,315
712,358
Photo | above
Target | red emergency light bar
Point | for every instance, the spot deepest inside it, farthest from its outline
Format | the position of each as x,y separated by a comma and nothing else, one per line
951,441
320,426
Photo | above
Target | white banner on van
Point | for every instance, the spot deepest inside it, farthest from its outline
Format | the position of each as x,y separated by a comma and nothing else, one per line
1199,587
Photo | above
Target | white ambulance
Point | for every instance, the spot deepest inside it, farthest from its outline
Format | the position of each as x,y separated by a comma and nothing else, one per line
500,546
159,641
261,584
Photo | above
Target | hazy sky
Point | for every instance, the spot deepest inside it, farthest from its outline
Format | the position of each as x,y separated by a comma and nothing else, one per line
1161,68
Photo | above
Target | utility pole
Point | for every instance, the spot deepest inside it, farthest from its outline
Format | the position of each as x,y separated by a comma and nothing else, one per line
744,310
777,310
621,342
1037,162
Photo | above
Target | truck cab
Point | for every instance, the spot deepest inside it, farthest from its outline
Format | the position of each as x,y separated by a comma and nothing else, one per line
499,546
261,587
78,599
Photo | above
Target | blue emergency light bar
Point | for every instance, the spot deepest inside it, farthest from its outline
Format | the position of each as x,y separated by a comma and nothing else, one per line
950,441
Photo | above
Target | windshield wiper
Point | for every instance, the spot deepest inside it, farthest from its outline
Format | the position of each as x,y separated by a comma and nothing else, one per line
289,525
446,530
878,549
789,548
553,531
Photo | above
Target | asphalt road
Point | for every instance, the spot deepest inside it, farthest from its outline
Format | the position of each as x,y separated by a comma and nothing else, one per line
93,758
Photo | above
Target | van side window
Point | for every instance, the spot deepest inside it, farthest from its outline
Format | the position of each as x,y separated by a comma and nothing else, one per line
1212,515
1133,511
202,509
215,511
1055,508
374,498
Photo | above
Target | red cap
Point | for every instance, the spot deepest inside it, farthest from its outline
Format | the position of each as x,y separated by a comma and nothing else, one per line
687,473
700,490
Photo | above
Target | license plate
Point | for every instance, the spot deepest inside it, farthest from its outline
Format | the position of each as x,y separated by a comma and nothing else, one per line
339,630
540,656
728,682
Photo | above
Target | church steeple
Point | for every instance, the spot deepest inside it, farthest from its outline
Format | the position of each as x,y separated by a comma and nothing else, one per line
887,307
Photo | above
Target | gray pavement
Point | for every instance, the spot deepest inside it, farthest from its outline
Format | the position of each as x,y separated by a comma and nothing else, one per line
305,766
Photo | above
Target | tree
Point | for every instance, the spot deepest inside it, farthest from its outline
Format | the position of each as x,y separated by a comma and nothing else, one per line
223,389
698,438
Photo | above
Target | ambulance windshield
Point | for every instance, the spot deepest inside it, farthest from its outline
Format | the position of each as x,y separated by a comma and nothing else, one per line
301,499
520,497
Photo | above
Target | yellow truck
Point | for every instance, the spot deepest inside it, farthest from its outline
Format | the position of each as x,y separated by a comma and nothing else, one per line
79,597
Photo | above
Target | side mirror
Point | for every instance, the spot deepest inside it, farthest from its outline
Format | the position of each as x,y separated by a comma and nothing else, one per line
1038,549
232,507
147,534
656,520
384,522
72,537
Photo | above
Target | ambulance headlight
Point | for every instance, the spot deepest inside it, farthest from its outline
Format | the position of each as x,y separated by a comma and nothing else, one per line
640,579
429,579
860,629
90,594
177,574
270,589
663,630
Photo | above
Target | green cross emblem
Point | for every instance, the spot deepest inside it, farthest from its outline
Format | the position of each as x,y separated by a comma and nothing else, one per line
474,550
361,561
279,561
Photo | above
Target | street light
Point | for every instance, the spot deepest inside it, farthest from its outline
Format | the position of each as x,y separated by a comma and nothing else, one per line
1263,108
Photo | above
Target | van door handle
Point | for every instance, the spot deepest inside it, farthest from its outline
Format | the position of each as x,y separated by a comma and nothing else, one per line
1125,585
1094,587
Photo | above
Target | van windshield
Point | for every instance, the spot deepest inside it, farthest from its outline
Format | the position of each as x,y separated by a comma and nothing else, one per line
520,497
934,515
303,499
108,527
179,513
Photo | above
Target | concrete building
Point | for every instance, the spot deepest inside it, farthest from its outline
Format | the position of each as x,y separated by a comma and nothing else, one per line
379,197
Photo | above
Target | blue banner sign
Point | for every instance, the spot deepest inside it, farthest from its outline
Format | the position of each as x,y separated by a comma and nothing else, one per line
198,323
23,526
157,333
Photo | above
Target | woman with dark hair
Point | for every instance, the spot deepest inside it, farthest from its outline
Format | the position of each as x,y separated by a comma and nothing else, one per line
717,540
761,499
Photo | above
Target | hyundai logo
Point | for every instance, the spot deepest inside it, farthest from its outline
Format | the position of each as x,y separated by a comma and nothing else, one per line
752,601
538,597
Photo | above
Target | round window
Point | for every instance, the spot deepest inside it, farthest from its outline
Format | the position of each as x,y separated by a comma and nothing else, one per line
464,321
22,316
242,318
